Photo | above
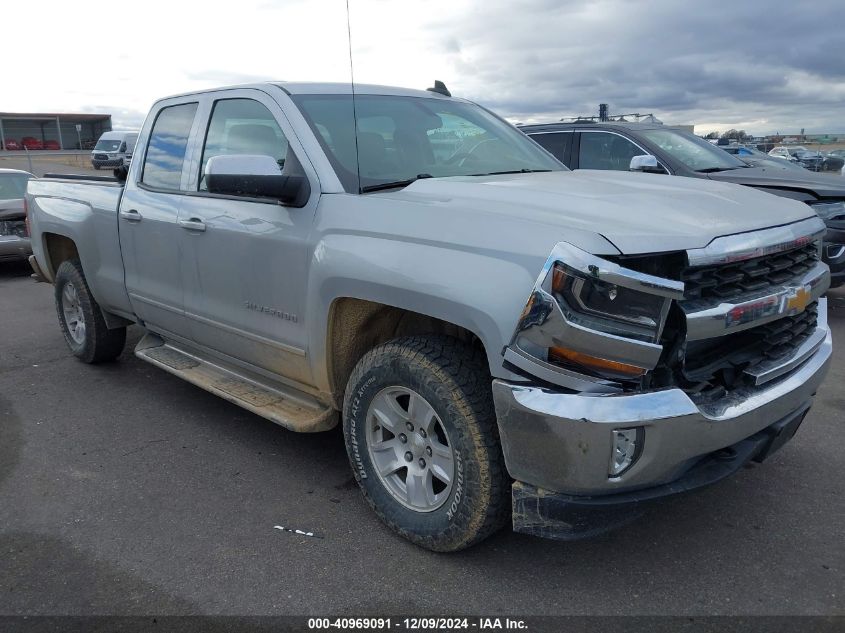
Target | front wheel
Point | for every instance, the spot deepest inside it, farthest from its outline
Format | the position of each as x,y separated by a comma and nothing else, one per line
423,443
82,323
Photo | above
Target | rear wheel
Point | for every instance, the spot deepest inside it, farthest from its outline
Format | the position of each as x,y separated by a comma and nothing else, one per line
81,321
422,439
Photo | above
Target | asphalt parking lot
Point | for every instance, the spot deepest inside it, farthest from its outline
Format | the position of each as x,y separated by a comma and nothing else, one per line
124,490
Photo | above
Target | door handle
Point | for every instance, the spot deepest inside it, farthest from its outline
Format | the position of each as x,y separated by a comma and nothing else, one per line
194,224
131,215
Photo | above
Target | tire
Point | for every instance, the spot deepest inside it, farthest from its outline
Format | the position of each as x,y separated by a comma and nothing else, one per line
75,306
453,379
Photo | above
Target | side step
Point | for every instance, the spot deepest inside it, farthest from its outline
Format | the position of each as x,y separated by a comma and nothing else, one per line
283,405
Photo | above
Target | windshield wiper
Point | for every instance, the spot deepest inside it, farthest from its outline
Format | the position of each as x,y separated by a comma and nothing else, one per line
512,171
710,170
396,184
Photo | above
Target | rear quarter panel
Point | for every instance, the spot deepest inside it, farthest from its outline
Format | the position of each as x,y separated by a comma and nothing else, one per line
86,213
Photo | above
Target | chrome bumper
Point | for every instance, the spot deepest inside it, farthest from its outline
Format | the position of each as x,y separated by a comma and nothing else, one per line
562,441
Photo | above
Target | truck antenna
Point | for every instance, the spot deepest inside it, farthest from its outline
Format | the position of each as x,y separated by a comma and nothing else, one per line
352,84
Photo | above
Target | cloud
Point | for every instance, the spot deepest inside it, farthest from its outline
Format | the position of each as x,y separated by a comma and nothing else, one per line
778,63
769,65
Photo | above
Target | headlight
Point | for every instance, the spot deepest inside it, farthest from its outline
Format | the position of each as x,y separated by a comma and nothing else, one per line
829,210
591,319
607,307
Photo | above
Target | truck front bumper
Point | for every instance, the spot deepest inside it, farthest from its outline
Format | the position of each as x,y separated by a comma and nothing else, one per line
558,446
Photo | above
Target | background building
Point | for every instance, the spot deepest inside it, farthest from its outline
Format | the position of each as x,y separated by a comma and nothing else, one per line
51,130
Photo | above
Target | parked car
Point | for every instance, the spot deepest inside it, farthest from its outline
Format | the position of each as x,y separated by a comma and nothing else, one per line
113,148
31,143
785,153
615,145
12,145
832,162
754,157
494,330
52,144
14,236
814,161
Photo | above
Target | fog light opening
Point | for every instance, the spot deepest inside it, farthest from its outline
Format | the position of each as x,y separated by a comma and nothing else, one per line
625,449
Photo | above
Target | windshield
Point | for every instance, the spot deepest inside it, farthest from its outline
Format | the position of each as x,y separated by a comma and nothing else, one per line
105,145
13,186
695,153
404,138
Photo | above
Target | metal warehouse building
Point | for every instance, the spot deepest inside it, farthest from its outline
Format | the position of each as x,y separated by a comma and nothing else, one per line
50,129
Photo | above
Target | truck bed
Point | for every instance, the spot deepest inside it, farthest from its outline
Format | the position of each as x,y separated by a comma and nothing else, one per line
82,209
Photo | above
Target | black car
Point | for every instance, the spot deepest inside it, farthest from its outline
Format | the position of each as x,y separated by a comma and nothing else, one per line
833,161
613,145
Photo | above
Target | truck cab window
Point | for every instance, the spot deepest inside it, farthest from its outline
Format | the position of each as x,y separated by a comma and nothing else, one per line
166,149
242,126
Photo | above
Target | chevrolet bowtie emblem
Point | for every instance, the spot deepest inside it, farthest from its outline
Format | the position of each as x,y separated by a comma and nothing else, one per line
798,301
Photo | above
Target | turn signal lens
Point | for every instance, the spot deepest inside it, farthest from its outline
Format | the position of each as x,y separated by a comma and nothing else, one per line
568,356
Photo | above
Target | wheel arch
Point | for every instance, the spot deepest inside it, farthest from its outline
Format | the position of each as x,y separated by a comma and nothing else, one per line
57,249
355,326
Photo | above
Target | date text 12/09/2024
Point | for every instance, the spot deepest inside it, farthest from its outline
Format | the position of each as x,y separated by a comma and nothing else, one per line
417,624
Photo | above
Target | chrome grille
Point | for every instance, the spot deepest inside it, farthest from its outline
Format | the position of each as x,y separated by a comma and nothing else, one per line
720,362
725,281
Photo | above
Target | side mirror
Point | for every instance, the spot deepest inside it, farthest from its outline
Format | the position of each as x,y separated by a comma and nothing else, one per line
646,163
255,176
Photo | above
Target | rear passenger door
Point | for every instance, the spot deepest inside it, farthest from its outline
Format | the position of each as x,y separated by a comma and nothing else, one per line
246,268
147,222
558,144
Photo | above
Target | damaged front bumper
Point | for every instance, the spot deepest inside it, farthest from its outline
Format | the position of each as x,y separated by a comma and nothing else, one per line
558,446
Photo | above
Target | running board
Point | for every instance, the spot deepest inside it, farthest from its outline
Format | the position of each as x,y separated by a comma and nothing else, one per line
285,406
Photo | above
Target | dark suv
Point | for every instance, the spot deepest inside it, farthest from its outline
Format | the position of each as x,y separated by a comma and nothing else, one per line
613,145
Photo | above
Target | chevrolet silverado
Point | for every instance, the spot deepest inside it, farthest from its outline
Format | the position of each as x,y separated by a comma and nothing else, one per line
502,339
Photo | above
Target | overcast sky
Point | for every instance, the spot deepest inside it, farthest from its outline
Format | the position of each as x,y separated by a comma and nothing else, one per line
762,65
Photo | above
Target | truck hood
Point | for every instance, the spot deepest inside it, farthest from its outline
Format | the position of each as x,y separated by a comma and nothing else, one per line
637,213
785,178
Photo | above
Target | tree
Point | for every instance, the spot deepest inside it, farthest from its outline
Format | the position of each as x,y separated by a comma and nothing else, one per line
712,135
738,135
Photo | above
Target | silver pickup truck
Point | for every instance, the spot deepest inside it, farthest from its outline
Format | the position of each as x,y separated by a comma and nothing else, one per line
502,339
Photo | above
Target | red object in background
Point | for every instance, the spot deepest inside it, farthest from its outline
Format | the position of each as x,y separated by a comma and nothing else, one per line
30,142
51,144
12,145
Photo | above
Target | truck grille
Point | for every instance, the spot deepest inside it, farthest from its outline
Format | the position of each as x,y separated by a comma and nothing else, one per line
720,362
725,281
101,156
